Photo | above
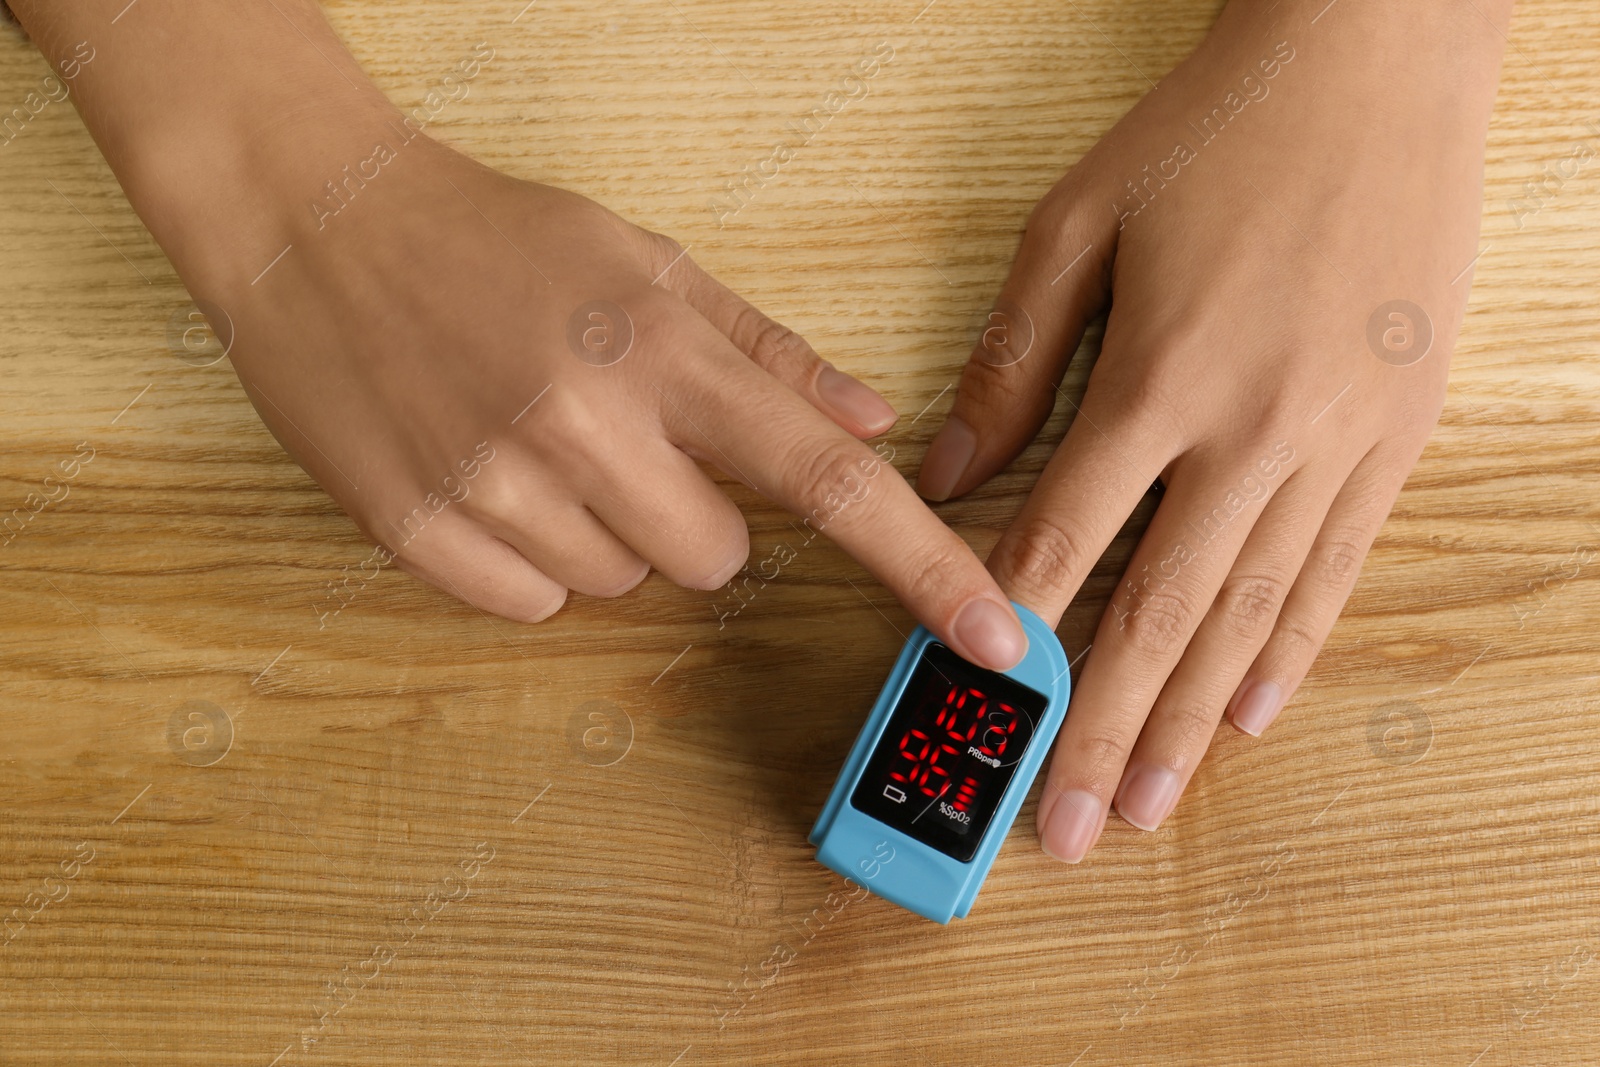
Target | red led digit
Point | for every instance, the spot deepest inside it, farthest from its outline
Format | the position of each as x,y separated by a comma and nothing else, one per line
1002,723
932,768
957,717
907,772
977,717
954,724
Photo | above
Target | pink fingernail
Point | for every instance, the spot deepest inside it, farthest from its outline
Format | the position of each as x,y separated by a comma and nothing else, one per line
1147,796
991,635
1256,705
1069,823
947,460
855,400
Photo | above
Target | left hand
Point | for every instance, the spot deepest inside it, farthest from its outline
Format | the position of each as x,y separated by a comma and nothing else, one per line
1252,360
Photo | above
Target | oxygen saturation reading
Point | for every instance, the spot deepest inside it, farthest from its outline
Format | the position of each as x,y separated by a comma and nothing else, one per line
948,751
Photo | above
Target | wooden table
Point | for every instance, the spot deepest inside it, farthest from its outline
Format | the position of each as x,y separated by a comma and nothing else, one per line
216,813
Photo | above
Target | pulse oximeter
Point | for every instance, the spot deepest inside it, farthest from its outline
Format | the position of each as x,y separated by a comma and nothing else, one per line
937,774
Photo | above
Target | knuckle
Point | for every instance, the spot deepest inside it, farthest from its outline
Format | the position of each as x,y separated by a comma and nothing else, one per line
1250,604
826,479
1002,389
656,326
771,344
1158,623
663,248
1269,428
1054,216
1294,640
1340,559
1189,728
932,579
1042,554
1098,759
1049,215
498,496
1147,398
573,427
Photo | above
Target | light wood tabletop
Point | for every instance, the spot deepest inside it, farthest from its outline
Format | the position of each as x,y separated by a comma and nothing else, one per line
239,827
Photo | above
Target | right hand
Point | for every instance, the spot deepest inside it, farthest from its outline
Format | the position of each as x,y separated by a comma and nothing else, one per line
403,339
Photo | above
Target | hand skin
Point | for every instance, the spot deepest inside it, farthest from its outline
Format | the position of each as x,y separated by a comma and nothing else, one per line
413,351
1236,366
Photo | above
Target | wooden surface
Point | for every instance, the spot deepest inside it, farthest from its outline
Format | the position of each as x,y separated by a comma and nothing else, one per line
1403,871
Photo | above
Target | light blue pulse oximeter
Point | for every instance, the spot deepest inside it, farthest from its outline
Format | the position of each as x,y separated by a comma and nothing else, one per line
940,769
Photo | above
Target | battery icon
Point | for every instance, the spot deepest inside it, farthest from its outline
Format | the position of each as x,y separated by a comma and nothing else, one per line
894,793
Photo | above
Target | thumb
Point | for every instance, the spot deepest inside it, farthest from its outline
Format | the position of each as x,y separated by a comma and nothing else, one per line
1059,281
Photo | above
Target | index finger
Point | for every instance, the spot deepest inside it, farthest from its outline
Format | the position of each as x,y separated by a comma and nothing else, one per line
756,429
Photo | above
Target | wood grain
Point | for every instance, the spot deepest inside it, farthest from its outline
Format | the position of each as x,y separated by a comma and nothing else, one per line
1403,872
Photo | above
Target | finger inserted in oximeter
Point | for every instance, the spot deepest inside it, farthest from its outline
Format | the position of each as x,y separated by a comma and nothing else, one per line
939,771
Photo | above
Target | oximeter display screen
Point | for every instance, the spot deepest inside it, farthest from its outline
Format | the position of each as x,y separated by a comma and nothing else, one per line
948,752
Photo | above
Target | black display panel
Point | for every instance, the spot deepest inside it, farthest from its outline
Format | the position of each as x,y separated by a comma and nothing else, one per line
948,752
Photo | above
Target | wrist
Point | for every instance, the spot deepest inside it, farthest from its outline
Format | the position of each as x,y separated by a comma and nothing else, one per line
1356,60
1395,38
217,119
219,195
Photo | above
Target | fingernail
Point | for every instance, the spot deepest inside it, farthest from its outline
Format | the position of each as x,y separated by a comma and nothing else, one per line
855,400
1070,824
991,635
1148,796
1256,705
947,460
